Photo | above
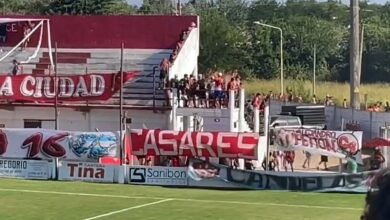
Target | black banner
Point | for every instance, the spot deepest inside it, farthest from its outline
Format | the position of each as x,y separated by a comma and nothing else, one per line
260,180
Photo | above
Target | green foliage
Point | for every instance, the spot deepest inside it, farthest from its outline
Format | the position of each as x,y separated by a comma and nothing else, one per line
165,7
231,41
88,7
297,87
222,42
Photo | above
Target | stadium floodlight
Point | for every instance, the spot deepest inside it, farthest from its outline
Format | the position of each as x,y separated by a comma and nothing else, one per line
281,52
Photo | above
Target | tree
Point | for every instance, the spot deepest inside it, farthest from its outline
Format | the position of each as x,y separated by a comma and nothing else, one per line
164,7
88,7
230,40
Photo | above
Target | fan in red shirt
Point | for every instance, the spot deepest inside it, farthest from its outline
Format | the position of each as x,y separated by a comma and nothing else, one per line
231,85
218,93
256,102
175,162
289,158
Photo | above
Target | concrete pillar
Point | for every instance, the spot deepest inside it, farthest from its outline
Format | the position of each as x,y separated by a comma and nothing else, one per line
174,104
231,110
386,136
187,121
266,134
266,120
171,115
122,174
232,119
241,119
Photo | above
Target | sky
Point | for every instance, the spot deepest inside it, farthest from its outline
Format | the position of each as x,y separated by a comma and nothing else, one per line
139,2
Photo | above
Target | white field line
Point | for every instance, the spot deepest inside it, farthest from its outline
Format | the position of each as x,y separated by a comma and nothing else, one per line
178,199
127,209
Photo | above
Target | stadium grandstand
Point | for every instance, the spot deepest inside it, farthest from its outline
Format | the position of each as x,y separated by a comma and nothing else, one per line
75,45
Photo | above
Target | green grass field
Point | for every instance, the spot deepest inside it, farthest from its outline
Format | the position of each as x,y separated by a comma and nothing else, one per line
376,92
23,199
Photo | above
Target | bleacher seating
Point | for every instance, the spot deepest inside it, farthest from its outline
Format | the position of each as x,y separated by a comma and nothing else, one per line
93,46
138,93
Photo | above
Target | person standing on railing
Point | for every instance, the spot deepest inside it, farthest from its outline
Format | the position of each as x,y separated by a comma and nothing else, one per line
164,69
174,85
237,87
194,87
210,94
202,92
256,101
184,85
230,86
218,93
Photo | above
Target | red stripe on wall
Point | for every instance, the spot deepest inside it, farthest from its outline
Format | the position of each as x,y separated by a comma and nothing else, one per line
143,32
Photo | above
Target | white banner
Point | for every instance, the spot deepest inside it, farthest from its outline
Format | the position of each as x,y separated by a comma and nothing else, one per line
25,169
341,144
43,143
84,171
165,176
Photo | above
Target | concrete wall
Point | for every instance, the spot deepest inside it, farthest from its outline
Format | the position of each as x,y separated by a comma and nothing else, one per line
69,119
107,31
370,122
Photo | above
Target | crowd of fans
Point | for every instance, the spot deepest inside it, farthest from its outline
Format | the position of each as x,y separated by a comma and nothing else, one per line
166,64
290,97
329,101
201,92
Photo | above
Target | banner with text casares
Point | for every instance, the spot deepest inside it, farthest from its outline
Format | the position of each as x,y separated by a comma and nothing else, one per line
195,144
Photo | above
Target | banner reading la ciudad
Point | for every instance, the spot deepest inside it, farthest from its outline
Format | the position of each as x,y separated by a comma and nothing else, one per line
341,144
91,87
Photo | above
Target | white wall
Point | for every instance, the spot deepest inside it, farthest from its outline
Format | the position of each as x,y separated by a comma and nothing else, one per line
69,119
187,59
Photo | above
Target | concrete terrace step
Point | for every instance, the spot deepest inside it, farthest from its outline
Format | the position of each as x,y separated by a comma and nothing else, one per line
8,60
143,102
147,91
148,80
137,102
84,71
141,96
117,53
68,55
71,60
132,60
113,59
18,52
103,66
142,86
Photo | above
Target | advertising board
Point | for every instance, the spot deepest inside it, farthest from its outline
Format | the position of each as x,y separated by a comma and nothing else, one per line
46,144
164,176
25,169
84,171
30,88
341,144
205,174
194,144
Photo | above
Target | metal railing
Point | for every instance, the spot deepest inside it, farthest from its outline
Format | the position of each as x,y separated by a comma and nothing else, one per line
154,87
